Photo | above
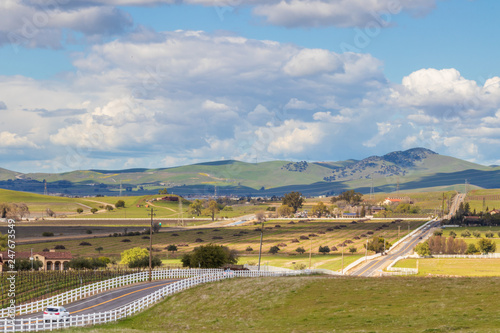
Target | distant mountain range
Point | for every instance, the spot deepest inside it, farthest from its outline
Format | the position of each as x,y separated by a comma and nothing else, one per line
413,169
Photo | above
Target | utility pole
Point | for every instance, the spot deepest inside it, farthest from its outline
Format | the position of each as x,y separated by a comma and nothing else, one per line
399,230
151,244
342,259
261,236
310,254
366,249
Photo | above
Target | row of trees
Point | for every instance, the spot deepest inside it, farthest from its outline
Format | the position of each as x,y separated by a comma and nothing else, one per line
450,245
210,208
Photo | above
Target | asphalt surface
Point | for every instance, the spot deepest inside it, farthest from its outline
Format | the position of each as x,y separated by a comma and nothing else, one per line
370,268
110,300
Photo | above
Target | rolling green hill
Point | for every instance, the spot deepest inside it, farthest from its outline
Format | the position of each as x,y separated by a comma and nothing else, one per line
411,169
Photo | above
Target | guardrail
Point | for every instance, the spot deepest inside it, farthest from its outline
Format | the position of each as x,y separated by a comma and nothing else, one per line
400,270
411,234
37,324
360,260
98,287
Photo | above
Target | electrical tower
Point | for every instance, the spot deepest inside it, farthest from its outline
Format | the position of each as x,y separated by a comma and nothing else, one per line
120,188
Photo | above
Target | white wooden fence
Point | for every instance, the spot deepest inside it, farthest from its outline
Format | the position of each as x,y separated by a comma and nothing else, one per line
98,287
37,324
391,270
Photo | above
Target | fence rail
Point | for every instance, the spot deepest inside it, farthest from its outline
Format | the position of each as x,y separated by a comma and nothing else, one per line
98,287
37,324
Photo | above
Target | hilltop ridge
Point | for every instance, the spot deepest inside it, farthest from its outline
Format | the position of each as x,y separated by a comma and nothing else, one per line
411,169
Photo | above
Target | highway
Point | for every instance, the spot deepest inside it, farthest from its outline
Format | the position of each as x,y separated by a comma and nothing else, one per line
371,267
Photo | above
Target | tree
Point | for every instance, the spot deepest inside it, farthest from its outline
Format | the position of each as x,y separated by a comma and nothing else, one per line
274,249
351,197
465,233
300,250
209,256
260,215
249,249
212,209
353,249
293,200
109,208
99,249
79,210
120,204
87,263
143,262
163,191
453,234
50,212
319,209
466,208
172,248
132,254
25,265
23,210
284,210
94,210
195,207
438,232
423,249
471,249
377,245
486,246
324,249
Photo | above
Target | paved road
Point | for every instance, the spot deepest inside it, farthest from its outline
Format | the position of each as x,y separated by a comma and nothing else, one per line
111,299
371,267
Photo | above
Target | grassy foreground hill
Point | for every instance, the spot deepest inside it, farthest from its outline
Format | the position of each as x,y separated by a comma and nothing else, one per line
324,304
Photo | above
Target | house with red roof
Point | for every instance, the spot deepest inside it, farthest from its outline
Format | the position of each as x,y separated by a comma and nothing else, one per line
52,260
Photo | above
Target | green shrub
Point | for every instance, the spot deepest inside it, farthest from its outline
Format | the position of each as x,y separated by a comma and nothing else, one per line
465,233
47,234
476,234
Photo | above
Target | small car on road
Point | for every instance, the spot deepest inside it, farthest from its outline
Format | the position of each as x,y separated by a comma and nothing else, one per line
55,313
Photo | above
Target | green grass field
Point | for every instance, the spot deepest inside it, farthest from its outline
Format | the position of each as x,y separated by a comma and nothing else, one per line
324,304
488,202
452,266
472,239
241,237
329,261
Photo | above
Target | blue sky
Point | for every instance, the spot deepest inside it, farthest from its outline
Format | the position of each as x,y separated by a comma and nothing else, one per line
128,83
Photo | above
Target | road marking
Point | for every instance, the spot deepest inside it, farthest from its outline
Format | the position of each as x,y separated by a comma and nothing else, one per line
90,307
100,295
114,299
